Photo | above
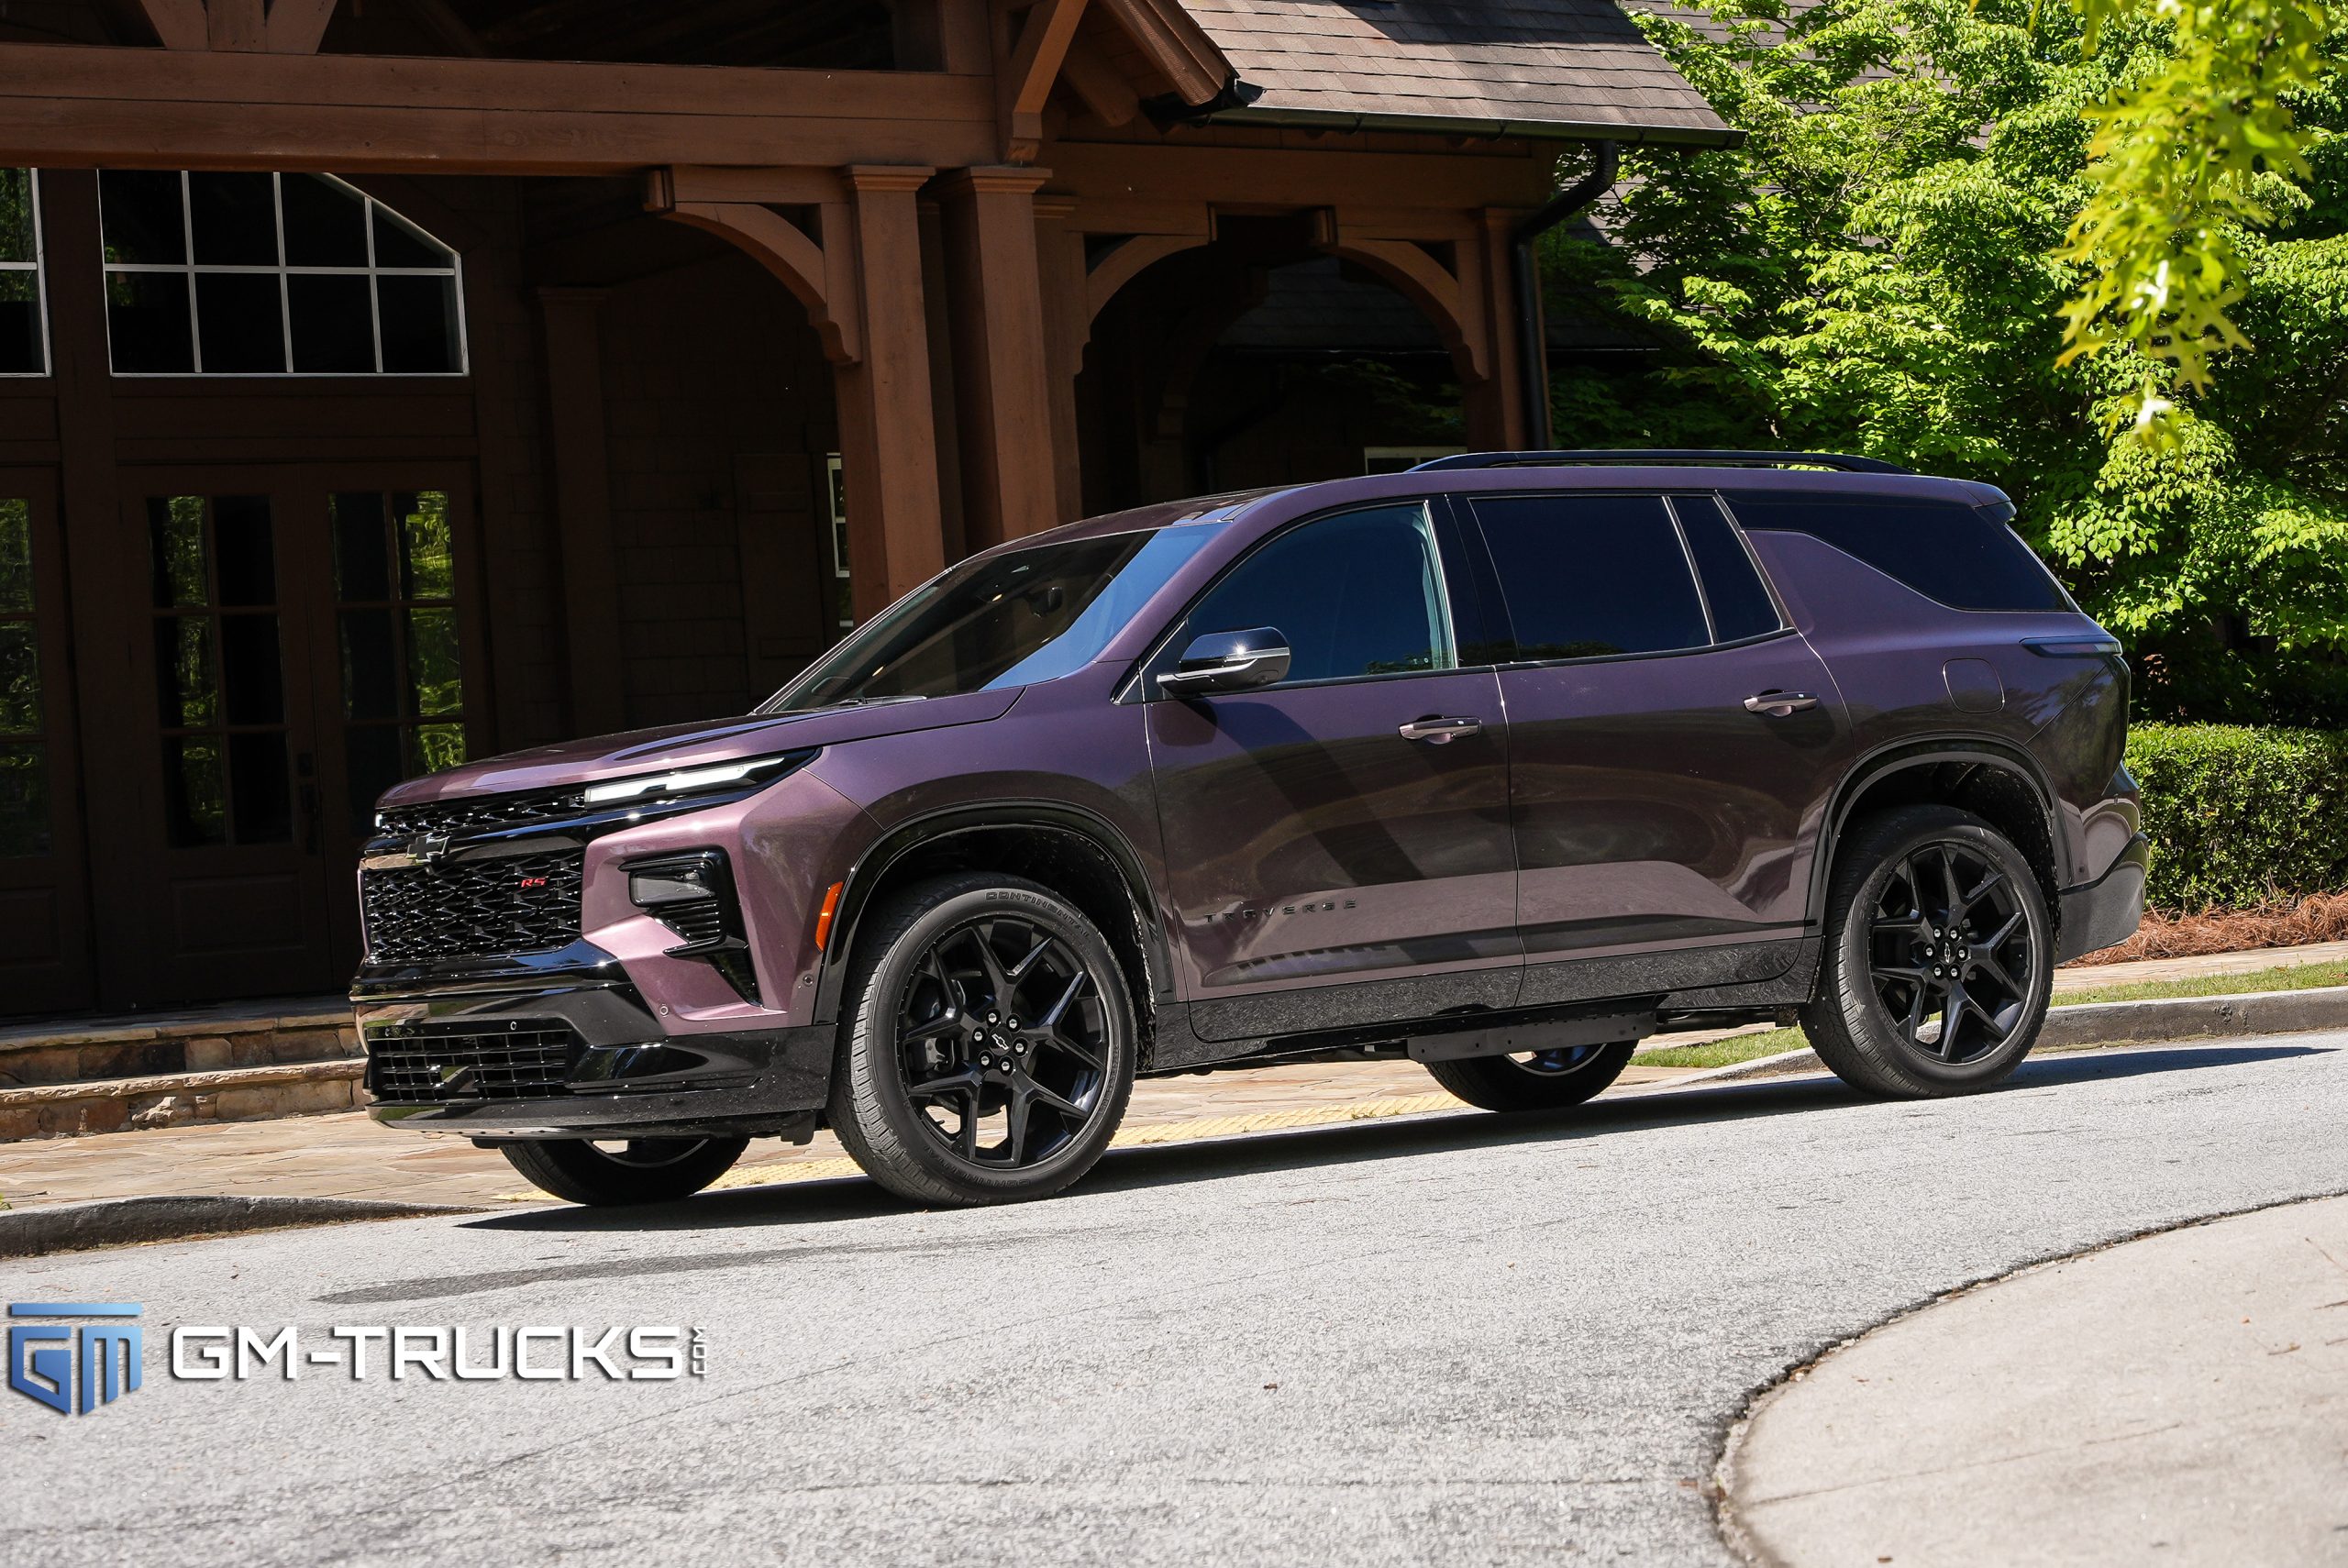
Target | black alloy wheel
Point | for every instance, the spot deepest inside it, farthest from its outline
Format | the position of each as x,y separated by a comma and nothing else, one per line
1003,1042
1954,959
1553,1079
988,1043
622,1172
1939,956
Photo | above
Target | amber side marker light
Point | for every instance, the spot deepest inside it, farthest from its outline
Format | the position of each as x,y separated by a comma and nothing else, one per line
823,917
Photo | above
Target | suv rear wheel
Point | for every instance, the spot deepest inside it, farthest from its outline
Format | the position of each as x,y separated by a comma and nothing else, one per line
1939,956
1535,1080
988,1043
640,1170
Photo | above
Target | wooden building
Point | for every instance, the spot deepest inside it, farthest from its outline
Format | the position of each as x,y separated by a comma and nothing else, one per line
387,382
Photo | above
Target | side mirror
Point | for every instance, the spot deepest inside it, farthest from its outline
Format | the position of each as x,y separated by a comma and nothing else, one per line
1228,661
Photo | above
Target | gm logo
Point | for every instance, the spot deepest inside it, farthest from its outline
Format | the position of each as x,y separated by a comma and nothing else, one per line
109,1353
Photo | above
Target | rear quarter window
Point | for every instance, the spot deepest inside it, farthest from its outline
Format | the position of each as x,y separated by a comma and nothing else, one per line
1944,550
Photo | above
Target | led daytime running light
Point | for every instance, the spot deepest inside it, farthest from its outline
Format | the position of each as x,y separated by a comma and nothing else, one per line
686,783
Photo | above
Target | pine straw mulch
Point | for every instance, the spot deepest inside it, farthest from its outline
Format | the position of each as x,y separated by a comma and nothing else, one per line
2284,922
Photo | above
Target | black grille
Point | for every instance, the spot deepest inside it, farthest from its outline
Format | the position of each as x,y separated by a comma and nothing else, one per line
473,909
468,813
408,1064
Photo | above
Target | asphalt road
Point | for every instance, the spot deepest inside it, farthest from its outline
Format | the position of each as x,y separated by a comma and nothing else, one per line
1453,1340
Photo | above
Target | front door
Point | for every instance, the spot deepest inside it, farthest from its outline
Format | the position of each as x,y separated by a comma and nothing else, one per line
1337,844
44,894
308,650
1672,744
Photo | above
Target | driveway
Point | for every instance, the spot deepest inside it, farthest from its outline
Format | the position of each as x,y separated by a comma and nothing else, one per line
1455,1339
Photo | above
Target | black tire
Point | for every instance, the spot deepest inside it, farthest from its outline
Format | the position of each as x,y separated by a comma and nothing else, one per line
1538,1080
647,1170
1905,1009
971,999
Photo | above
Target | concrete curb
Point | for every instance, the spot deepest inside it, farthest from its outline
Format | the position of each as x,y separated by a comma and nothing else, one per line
2091,1024
122,1221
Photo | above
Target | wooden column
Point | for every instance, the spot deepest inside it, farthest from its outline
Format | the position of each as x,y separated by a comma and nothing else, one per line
1487,287
582,508
887,438
1067,327
1010,480
114,647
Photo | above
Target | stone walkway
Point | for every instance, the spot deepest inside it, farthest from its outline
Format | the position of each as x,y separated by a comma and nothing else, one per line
347,1156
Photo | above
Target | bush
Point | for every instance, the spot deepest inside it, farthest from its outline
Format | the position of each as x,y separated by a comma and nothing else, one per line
2240,816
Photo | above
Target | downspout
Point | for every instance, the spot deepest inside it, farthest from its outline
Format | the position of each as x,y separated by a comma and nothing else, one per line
1533,347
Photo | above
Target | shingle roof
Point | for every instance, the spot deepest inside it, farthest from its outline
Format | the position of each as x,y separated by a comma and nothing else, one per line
1528,67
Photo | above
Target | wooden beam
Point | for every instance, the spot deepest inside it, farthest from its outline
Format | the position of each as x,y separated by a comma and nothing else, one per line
782,187
296,26
1030,74
1101,86
238,25
1176,45
180,24
1124,174
1452,306
68,106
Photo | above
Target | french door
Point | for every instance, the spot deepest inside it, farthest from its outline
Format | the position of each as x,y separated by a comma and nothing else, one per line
311,640
44,892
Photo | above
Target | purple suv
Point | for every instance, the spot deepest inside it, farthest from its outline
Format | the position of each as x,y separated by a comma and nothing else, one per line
1500,765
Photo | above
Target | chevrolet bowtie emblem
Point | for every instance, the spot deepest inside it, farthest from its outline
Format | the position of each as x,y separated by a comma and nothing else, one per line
429,849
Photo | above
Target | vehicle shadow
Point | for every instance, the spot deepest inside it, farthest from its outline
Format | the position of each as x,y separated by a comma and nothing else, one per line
1129,1169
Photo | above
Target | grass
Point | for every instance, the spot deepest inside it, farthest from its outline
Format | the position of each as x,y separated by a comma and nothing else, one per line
1776,1041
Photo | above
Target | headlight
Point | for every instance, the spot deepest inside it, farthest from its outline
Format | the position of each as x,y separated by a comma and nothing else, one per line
738,778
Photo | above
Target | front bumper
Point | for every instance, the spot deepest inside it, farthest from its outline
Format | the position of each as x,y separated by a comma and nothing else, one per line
605,1067
2105,913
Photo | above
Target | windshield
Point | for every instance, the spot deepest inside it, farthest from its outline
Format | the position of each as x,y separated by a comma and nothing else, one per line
1007,620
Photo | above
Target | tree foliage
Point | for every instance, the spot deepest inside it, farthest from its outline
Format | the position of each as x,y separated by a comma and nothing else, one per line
1885,265
2173,182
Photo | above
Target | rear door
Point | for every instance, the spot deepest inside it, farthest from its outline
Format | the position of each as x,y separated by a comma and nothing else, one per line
1672,744
1337,844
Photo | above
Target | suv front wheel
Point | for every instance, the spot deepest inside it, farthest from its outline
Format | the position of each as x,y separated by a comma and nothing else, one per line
1939,956
986,1044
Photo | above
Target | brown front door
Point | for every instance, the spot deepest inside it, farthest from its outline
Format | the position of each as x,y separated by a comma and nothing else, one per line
44,895
308,651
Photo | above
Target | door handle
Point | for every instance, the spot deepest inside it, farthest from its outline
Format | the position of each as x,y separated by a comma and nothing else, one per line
1437,730
1781,704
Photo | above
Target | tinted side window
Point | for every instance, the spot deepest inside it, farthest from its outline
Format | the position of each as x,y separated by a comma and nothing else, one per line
1943,550
1356,595
1741,604
1586,576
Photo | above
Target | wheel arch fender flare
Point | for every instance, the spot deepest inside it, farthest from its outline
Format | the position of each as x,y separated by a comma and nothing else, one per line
1929,751
873,869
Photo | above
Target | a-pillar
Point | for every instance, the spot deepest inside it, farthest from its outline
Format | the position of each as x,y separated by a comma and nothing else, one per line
888,439
1004,406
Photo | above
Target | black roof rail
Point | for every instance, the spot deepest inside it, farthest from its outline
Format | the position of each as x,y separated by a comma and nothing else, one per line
1677,456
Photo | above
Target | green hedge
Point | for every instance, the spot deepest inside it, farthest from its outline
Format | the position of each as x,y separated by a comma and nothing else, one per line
2237,815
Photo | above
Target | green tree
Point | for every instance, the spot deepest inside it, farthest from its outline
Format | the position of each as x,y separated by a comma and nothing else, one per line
1882,267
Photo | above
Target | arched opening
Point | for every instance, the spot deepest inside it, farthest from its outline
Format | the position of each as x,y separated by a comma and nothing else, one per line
1272,354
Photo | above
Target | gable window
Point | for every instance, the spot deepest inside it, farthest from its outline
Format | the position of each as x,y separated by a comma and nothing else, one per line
23,327
213,274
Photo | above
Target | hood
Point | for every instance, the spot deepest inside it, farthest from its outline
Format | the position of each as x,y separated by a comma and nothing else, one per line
690,746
